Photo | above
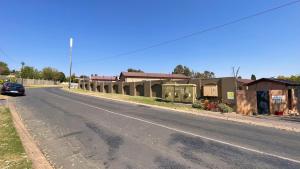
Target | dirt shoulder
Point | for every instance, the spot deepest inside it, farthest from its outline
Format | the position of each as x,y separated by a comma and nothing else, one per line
252,120
35,155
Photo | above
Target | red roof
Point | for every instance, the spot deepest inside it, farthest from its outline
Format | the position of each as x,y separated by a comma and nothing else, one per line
104,78
246,81
153,75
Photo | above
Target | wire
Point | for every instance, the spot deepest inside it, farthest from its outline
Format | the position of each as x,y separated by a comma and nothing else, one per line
198,32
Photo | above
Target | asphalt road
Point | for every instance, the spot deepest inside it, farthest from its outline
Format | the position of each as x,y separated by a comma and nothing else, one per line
76,131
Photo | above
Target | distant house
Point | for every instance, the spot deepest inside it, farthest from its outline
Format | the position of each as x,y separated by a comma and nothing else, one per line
104,78
139,76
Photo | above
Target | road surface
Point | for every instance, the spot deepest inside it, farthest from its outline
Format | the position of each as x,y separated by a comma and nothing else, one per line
76,131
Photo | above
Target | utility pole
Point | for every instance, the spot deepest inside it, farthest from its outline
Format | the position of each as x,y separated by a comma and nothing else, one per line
22,63
71,45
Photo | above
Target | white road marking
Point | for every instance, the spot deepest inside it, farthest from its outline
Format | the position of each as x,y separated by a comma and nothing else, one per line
185,132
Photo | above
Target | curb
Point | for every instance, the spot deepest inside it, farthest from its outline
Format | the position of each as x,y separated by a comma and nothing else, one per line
37,158
205,114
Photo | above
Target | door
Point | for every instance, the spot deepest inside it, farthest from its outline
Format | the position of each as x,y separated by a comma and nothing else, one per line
290,99
263,102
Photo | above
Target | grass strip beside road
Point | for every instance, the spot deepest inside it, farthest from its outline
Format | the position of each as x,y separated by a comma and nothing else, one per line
138,99
12,153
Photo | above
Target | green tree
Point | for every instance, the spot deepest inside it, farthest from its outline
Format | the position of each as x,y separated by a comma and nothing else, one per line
61,76
205,75
29,72
180,69
134,70
74,79
4,70
49,73
253,77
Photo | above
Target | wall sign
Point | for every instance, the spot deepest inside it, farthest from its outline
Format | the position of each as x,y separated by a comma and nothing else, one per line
278,99
230,95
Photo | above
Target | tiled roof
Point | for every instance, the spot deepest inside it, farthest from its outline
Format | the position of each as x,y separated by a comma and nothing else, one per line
104,78
245,80
153,75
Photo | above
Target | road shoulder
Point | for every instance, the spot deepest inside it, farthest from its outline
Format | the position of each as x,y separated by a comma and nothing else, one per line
38,159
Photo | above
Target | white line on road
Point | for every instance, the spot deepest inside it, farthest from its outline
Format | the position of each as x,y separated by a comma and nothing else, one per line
185,132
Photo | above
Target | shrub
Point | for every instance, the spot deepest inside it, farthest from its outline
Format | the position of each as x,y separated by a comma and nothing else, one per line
198,106
211,106
224,108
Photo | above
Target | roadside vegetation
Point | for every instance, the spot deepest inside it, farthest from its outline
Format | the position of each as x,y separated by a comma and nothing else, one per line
198,106
12,153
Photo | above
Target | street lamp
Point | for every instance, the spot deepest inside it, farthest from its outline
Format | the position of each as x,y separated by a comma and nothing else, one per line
71,45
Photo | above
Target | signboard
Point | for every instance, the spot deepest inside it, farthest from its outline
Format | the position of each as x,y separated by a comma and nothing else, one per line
230,95
278,99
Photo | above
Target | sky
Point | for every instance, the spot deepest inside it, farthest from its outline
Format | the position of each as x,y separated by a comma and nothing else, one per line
38,31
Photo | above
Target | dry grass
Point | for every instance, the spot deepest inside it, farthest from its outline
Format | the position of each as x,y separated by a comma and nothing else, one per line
137,99
12,153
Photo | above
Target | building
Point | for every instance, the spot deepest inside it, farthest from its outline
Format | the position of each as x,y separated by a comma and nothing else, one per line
140,76
269,96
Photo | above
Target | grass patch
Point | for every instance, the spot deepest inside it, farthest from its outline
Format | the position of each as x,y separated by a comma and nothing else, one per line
12,153
138,99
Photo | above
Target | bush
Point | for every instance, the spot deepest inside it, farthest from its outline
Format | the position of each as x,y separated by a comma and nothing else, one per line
224,108
198,106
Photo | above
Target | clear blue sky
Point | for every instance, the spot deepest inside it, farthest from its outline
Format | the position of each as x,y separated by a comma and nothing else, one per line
37,33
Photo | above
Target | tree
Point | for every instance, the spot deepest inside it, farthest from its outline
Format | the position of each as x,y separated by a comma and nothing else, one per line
28,72
49,73
61,77
4,70
180,69
134,70
253,77
74,79
294,78
205,75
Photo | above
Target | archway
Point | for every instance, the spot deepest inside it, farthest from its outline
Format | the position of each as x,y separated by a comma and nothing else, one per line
126,90
115,88
156,90
98,88
139,90
106,89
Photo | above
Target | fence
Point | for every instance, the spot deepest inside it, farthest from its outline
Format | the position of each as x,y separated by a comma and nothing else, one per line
29,82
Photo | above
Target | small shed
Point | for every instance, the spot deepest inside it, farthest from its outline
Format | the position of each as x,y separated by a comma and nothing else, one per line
269,96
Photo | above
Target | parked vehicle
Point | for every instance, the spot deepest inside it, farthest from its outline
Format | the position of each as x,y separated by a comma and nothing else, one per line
13,88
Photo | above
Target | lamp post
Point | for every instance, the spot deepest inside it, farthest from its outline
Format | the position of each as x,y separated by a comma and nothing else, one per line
71,45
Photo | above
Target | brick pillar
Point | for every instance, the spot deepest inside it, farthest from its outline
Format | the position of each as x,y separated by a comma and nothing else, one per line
120,88
101,86
110,87
147,89
132,89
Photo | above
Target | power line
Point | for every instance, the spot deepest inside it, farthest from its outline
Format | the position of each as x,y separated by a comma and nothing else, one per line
199,32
